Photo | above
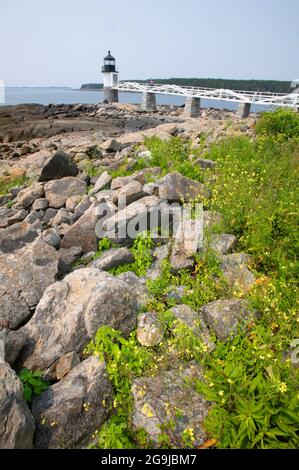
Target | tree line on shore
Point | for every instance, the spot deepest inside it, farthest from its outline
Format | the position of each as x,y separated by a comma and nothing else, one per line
275,86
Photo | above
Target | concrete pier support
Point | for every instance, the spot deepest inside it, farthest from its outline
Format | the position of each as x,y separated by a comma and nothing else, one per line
192,107
111,95
148,101
243,110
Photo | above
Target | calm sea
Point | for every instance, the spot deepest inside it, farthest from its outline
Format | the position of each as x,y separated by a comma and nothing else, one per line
69,96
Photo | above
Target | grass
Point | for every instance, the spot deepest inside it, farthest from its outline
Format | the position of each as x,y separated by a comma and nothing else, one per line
7,183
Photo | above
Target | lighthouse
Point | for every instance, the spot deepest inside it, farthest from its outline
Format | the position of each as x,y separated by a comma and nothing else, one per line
110,78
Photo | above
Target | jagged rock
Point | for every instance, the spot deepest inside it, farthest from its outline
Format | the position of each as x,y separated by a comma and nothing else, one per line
186,244
11,216
28,195
66,259
16,236
160,254
58,191
34,219
124,224
68,413
111,146
40,204
185,314
170,396
205,163
71,311
24,276
177,188
49,214
101,183
58,166
16,421
149,329
223,243
138,286
63,216
83,232
52,237
66,363
128,193
72,202
14,342
235,271
226,317
112,258
82,207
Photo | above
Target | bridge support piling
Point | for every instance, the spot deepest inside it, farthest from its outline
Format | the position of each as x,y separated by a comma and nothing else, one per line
192,107
243,110
110,95
148,101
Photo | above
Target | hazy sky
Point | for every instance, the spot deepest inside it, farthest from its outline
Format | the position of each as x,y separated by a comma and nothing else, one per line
62,42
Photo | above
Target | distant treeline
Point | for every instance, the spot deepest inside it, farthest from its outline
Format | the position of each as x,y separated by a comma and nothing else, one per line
274,86
91,86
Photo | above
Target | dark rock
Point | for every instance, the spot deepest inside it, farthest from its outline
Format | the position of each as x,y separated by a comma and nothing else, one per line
68,413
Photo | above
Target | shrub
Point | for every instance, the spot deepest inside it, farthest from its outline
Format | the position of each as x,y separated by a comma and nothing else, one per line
283,123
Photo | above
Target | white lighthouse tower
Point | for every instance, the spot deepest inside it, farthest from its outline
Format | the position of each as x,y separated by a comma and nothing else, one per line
110,79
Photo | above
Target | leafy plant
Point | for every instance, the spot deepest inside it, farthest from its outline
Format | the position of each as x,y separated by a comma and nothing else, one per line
282,123
33,383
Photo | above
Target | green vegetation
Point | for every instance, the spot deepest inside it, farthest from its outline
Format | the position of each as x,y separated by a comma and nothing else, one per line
33,383
250,379
141,251
170,156
125,359
7,183
91,86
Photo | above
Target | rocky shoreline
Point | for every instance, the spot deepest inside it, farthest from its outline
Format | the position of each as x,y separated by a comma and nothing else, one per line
55,293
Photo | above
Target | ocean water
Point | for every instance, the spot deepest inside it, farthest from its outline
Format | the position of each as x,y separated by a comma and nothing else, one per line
57,95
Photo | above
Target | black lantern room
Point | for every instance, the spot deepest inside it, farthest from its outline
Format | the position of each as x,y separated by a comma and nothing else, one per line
109,63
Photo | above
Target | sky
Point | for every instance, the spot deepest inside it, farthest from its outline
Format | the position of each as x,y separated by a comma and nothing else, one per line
63,42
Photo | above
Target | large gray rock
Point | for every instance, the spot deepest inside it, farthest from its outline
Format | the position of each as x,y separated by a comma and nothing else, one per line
24,276
16,421
126,223
227,317
11,216
102,182
58,191
170,395
177,188
150,330
58,166
160,255
236,272
138,286
223,243
16,237
112,258
184,314
128,193
83,232
71,311
66,259
188,239
14,341
27,196
69,412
